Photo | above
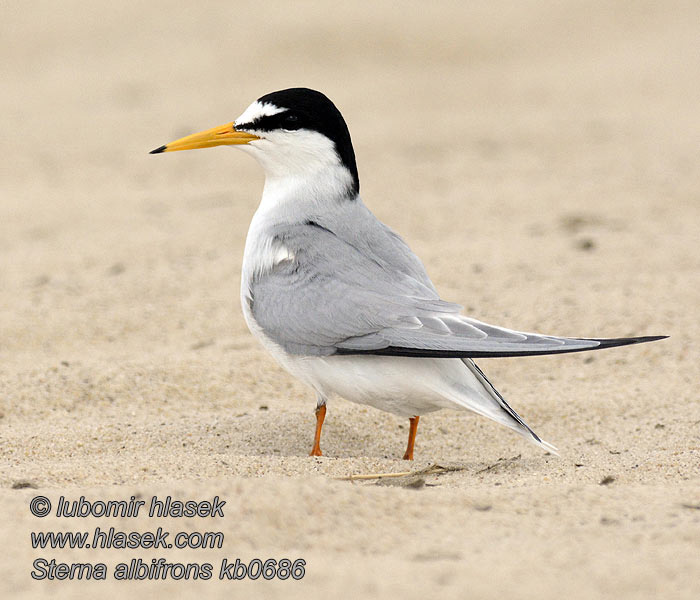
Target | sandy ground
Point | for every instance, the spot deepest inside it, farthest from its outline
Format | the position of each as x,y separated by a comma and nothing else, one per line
542,159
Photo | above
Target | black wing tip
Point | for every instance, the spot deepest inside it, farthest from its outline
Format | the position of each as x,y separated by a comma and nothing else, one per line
158,150
613,342
432,353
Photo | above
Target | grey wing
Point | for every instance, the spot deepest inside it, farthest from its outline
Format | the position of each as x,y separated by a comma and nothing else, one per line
334,296
333,291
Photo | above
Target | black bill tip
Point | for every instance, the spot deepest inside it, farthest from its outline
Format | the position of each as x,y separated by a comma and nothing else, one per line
158,150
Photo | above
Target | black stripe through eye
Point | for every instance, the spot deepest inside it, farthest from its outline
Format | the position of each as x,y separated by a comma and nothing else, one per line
284,120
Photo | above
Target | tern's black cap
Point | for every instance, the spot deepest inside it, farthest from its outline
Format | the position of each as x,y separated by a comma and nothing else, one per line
309,109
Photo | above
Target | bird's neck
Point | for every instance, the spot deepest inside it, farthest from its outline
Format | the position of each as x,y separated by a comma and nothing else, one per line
297,197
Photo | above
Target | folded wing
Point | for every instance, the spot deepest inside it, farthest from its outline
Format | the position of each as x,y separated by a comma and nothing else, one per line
335,295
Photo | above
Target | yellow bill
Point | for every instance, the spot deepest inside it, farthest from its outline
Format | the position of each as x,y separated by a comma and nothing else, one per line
218,136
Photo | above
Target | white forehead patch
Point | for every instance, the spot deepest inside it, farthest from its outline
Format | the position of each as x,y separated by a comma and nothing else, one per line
258,110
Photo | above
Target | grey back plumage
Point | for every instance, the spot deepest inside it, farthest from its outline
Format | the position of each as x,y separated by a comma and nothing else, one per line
351,285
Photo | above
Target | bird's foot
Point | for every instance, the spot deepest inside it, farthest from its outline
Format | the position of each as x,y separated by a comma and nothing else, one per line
320,416
413,428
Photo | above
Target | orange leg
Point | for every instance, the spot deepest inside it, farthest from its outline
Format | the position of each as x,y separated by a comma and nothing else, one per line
320,416
408,455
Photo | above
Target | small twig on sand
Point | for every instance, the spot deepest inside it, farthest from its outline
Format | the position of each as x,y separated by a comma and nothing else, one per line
430,470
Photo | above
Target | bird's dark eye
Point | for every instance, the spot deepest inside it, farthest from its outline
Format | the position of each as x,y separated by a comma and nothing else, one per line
290,121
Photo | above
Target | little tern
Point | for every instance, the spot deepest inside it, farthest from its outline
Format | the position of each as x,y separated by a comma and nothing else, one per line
338,298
